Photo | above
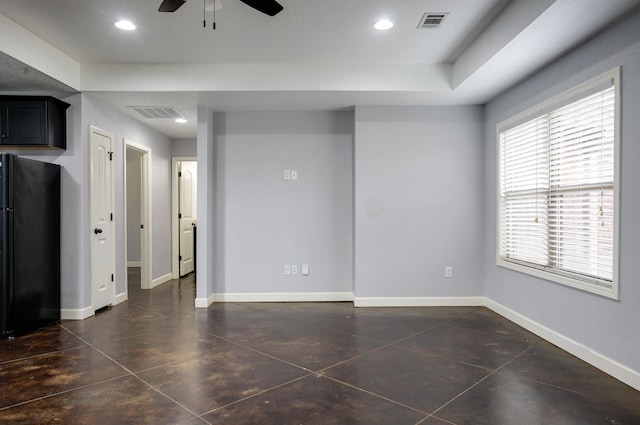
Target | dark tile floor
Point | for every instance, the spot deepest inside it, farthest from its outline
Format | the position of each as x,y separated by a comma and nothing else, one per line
157,360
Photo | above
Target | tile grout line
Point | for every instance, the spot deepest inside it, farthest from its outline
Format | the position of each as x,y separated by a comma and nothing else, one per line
395,343
439,356
384,345
246,347
482,332
481,380
422,422
42,355
62,392
307,375
375,395
257,394
127,371
320,372
85,342
136,376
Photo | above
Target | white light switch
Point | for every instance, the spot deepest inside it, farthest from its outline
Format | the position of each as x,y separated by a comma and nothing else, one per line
305,270
294,175
286,174
287,269
294,269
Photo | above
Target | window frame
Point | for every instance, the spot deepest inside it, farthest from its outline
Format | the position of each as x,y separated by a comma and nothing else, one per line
594,85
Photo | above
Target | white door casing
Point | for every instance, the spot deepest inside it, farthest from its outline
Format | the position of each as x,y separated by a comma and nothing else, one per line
186,181
102,244
145,219
176,163
145,211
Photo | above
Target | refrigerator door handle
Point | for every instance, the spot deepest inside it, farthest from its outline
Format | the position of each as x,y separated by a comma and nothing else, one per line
6,274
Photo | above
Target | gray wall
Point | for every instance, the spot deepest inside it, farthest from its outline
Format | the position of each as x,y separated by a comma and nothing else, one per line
210,264
418,201
606,326
134,204
184,148
123,127
75,250
267,221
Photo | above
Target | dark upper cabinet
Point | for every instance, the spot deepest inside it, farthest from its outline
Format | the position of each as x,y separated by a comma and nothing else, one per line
33,122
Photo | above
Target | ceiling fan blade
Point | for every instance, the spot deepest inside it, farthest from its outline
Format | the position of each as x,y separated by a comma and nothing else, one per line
268,7
170,5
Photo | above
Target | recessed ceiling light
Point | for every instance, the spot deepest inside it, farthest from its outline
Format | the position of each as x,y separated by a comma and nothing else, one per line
383,24
125,25
181,120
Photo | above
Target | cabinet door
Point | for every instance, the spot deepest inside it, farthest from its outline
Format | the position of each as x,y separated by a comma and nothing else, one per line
23,123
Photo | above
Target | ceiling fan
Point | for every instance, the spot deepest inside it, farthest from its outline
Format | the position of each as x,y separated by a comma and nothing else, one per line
268,7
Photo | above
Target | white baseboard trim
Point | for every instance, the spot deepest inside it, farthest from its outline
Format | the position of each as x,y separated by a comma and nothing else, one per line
280,297
162,279
76,313
619,371
204,302
133,264
120,298
418,301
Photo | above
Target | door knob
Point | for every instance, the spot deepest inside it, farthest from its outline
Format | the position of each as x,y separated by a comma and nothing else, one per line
97,231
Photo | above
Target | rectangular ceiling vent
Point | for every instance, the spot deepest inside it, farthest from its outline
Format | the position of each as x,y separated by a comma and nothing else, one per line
432,19
157,111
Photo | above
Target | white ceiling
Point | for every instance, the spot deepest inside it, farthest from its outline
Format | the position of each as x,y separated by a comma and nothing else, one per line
316,54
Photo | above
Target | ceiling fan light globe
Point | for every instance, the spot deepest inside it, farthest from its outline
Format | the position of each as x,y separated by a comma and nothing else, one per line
125,25
383,25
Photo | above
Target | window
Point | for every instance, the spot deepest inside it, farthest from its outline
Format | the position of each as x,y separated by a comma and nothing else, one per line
558,188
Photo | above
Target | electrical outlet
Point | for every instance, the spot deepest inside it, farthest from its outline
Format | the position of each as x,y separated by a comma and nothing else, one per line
287,269
294,175
294,269
448,271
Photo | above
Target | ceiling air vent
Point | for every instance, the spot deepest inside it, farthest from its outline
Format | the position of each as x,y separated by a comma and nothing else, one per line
432,20
157,111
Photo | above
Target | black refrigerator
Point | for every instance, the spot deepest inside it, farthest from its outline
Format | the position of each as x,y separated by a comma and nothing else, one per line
30,244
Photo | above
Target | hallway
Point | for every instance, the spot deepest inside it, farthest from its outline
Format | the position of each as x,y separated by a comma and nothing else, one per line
157,360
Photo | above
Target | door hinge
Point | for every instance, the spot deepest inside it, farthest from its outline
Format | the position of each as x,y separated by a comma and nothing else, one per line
110,156
179,173
112,277
111,216
142,226
179,215
179,257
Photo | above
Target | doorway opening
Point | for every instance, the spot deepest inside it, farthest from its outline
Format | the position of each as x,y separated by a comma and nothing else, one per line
184,221
137,181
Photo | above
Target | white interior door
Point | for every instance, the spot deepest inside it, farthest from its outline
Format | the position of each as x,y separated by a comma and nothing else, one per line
102,256
186,214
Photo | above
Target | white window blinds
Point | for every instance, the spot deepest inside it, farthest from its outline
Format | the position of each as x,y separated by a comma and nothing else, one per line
557,190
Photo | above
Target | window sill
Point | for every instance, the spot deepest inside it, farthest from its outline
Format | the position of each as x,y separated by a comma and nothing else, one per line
584,285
